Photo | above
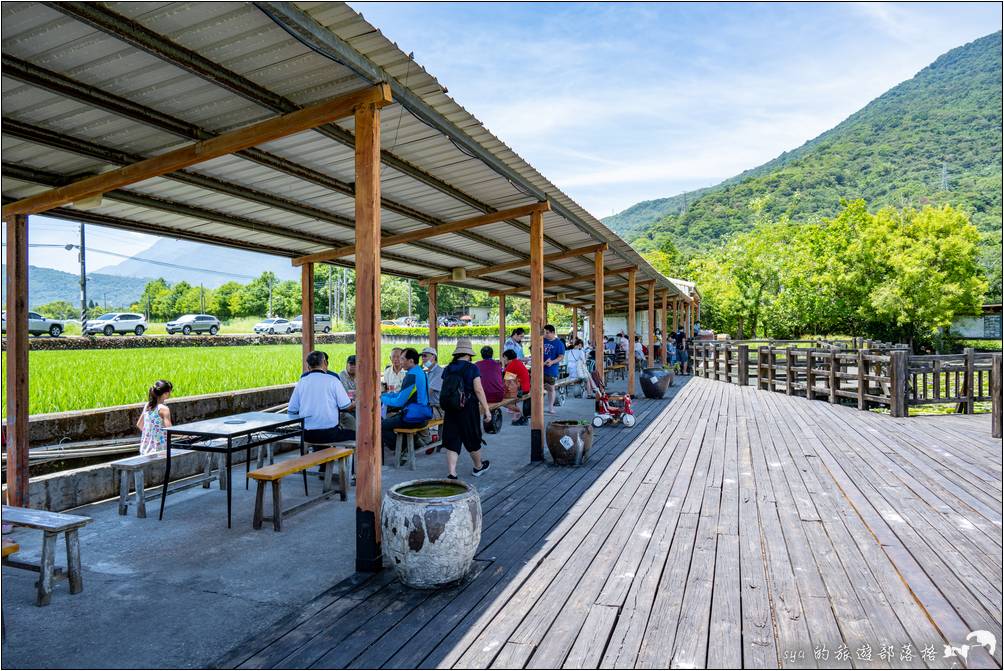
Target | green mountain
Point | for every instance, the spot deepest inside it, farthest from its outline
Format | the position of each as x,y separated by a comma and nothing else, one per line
933,139
46,285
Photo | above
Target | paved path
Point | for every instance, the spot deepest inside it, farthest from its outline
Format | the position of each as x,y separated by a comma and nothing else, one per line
731,527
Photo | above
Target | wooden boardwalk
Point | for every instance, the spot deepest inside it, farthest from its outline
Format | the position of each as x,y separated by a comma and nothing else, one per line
731,528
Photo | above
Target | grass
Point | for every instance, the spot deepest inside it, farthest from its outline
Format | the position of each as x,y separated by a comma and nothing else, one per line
82,379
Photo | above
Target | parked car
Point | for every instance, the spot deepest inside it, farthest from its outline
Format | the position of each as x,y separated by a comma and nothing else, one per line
37,325
188,324
274,325
321,323
115,322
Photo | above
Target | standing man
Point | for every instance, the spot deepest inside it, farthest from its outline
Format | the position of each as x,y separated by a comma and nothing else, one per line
553,351
681,350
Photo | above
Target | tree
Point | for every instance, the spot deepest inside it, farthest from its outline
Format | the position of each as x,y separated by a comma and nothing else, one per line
59,310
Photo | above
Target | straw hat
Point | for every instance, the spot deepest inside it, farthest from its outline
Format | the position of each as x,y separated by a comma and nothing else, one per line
464,347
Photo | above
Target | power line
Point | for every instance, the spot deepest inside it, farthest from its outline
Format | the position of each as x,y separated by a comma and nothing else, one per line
167,264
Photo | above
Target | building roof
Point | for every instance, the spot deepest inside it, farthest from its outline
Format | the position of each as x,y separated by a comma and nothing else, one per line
91,86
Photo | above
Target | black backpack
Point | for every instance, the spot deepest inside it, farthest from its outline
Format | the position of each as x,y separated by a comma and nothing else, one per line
452,396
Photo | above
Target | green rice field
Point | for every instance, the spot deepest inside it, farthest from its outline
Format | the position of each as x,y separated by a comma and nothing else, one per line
81,379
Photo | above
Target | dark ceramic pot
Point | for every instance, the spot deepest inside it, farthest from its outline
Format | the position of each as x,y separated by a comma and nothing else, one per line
569,441
655,382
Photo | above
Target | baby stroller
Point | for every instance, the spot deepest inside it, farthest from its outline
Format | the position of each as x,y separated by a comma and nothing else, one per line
611,408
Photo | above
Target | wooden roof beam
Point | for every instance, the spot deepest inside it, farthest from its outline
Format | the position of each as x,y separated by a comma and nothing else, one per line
204,150
515,265
442,229
566,281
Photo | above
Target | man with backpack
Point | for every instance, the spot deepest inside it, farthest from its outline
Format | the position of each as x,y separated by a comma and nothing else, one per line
465,407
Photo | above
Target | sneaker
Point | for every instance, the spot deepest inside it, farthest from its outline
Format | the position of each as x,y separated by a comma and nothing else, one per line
485,465
451,477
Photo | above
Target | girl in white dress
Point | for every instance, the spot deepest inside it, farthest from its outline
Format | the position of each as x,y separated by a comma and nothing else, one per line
155,418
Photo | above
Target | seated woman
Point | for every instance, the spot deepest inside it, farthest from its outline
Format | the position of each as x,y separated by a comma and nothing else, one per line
491,375
412,400
575,358
516,370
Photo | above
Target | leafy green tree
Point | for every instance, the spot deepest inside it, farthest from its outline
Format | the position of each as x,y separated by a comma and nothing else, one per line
59,310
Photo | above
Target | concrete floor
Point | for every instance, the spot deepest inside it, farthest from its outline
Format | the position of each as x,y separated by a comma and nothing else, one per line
179,593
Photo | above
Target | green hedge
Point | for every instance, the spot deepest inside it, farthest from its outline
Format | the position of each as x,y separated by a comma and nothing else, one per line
450,331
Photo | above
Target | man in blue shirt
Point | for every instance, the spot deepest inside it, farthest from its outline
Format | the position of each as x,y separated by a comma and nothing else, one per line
318,397
554,352
412,400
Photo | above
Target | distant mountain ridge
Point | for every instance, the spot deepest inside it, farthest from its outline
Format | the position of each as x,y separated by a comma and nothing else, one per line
220,264
46,285
935,138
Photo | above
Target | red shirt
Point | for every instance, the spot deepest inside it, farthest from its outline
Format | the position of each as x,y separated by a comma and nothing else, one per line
517,368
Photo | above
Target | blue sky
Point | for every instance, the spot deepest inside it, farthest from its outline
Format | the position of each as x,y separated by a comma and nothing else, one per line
618,103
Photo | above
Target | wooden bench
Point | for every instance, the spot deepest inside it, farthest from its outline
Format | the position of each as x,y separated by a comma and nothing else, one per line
276,472
135,465
561,388
51,525
617,369
405,442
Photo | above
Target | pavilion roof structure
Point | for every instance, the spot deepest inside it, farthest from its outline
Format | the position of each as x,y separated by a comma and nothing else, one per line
91,87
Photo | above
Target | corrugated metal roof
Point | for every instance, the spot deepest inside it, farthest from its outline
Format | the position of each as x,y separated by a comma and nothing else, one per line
88,87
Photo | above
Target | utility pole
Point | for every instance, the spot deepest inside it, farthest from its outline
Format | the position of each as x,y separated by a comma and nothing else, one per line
331,305
202,299
83,280
269,298
409,298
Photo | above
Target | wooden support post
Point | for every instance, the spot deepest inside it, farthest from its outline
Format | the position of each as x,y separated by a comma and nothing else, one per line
810,376
970,380
744,364
307,309
598,313
502,332
897,383
651,318
631,326
676,315
862,381
789,371
16,392
833,382
663,356
537,317
995,395
369,450
433,319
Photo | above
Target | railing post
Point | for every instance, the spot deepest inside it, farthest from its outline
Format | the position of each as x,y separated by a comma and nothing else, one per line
970,379
705,346
995,395
862,380
810,377
744,365
833,375
714,350
789,371
728,362
771,363
760,380
897,383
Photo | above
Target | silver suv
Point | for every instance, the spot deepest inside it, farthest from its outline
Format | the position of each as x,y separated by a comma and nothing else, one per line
321,323
115,322
189,324
37,325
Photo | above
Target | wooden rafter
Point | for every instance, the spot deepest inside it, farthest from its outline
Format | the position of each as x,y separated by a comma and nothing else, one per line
566,281
516,265
422,234
198,152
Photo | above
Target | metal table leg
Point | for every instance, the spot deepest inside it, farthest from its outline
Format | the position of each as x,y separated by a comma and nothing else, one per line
167,479
229,482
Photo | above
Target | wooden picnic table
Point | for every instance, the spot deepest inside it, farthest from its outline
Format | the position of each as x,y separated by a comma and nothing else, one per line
226,435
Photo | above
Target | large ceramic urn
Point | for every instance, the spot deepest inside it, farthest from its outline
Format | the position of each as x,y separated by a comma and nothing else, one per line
569,441
431,530
655,382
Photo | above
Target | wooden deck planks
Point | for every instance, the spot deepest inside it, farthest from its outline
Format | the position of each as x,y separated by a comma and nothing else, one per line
732,527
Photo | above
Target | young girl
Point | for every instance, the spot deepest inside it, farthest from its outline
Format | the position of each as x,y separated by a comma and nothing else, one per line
155,418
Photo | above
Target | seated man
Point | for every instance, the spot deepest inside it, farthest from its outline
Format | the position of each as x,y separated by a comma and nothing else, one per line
516,370
348,378
491,375
412,400
318,397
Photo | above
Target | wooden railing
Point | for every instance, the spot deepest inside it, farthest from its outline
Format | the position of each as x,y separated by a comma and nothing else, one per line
859,372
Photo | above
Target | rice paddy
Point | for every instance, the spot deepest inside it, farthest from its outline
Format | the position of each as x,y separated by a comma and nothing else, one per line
82,379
